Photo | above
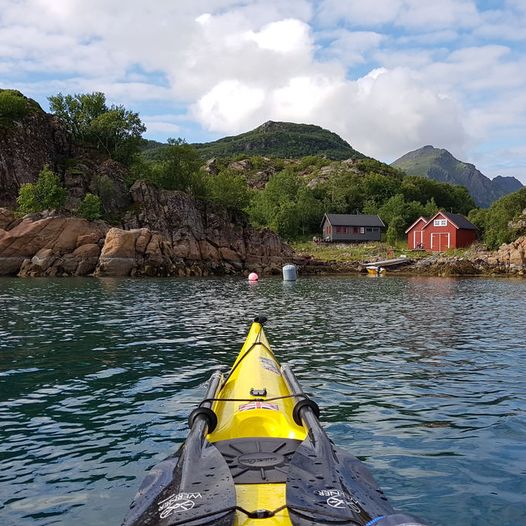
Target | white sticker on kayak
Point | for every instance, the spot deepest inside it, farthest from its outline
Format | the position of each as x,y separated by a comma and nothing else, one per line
328,492
176,503
336,499
258,405
269,365
336,502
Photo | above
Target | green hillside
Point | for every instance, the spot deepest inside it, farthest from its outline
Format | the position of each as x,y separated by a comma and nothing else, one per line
276,139
282,139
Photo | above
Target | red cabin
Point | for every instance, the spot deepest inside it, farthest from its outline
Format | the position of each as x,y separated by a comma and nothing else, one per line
415,234
442,232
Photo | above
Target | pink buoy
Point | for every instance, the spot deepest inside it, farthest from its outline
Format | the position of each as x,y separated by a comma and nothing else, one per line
253,276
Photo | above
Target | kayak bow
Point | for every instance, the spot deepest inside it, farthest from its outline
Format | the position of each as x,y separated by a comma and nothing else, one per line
256,454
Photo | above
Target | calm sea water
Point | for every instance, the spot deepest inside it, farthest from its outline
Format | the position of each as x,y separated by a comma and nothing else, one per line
422,378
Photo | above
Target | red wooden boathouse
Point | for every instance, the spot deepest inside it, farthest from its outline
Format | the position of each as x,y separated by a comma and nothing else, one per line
442,232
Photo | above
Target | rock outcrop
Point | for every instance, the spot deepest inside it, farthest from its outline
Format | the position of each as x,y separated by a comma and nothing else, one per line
138,252
205,236
164,234
25,147
51,245
511,257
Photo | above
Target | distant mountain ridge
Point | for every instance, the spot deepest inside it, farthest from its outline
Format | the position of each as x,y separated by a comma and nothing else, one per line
440,165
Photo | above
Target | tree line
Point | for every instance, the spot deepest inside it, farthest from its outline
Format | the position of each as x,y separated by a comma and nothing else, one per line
292,202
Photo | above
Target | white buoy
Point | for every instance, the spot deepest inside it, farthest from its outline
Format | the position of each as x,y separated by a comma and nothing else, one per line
253,277
290,273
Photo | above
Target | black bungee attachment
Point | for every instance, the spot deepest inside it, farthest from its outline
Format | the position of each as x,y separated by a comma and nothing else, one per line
305,402
194,487
206,413
328,486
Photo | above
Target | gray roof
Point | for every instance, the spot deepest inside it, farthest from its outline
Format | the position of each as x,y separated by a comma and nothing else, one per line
459,220
354,220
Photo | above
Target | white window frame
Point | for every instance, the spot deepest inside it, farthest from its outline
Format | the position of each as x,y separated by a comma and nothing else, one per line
440,222
362,230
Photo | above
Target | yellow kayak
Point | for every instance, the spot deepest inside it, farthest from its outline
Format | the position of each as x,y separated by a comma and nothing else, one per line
374,270
256,455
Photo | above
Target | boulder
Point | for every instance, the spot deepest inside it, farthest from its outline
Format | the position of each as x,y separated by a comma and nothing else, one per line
513,254
46,244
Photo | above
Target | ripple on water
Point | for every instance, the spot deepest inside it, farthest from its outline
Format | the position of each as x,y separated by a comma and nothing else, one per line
422,378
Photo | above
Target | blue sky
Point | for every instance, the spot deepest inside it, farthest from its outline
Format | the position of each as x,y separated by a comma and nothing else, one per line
389,76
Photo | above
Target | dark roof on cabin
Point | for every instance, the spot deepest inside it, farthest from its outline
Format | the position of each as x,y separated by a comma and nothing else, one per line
354,220
459,220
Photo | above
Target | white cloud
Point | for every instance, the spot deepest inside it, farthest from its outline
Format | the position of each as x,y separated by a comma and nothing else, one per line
229,105
162,124
358,13
412,14
284,36
351,47
236,64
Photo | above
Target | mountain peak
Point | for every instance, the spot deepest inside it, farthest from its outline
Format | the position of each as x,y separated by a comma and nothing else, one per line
282,139
441,165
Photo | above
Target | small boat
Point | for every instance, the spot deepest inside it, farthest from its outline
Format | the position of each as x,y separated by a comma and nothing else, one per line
374,270
256,455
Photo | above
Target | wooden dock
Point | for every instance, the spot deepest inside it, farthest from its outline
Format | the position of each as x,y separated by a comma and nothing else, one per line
389,262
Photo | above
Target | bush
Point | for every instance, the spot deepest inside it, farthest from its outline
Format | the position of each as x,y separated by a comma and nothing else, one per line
496,221
46,194
90,208
229,189
13,106
178,168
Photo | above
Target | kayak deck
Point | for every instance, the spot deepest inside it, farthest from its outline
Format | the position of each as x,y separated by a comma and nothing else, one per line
256,455
256,432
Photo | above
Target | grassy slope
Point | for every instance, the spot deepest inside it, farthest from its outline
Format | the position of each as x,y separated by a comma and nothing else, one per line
277,139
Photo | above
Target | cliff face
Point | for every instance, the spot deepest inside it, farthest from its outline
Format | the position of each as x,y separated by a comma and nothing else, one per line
164,234
205,235
25,147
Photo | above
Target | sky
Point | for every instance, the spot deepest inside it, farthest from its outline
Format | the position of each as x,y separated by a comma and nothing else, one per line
389,76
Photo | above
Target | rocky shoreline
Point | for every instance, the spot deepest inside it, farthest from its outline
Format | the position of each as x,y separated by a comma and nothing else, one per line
172,234
163,234
195,243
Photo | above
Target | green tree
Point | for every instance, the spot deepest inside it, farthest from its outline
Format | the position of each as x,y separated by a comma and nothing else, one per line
498,218
229,189
287,206
90,207
112,129
479,217
396,229
177,168
46,194
447,196
118,132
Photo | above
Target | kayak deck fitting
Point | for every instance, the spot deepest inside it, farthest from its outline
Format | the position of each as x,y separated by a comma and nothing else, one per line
256,454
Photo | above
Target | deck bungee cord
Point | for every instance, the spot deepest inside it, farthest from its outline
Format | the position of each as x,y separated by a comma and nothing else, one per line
256,454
